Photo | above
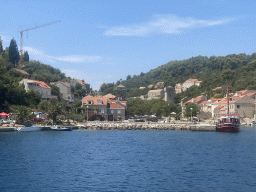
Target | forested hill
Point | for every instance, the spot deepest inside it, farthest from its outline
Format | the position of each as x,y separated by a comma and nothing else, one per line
238,69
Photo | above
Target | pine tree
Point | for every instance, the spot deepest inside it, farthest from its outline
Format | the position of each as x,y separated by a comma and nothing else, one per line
14,56
25,56
1,46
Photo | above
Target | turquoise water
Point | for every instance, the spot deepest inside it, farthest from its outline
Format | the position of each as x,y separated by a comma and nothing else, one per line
101,160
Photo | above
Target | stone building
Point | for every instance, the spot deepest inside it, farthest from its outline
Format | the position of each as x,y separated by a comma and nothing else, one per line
65,90
190,82
85,85
110,109
41,87
123,89
167,94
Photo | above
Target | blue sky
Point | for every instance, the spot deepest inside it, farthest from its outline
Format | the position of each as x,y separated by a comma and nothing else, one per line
104,41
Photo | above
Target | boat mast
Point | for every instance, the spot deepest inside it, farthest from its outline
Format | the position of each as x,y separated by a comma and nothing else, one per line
227,99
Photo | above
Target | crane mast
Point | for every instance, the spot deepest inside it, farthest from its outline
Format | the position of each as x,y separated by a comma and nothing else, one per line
21,39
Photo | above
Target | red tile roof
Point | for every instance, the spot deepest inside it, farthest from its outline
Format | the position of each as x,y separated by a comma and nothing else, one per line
22,71
110,96
115,105
81,82
192,80
40,83
95,100
217,88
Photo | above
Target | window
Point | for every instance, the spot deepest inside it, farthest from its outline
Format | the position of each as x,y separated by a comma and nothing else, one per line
89,102
99,102
102,111
112,111
238,106
119,111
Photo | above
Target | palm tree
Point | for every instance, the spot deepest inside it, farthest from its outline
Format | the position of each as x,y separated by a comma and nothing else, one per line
54,109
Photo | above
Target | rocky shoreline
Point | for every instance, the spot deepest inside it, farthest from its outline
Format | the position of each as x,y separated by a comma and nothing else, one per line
131,126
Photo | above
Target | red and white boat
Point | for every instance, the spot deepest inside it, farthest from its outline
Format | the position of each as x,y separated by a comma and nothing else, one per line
228,122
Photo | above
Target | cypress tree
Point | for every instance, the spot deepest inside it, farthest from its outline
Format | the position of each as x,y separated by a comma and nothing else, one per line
1,46
14,56
25,56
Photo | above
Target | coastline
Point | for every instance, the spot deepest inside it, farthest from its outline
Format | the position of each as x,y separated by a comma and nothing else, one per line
94,125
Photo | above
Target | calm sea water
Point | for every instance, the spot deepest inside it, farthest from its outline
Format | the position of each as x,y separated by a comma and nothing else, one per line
128,161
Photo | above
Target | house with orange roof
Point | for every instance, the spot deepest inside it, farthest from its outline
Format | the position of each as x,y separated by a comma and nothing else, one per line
108,108
243,105
178,88
65,90
249,93
196,101
85,85
190,82
41,87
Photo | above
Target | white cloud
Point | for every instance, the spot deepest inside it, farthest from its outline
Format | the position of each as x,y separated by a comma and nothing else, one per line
43,57
163,24
78,58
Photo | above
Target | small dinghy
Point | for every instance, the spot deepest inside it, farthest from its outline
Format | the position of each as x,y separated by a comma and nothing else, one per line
59,128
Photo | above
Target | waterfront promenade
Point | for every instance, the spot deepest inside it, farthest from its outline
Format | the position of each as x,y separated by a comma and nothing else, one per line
98,125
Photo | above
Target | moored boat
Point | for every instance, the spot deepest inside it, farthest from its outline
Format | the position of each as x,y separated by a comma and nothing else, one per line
228,122
29,128
59,128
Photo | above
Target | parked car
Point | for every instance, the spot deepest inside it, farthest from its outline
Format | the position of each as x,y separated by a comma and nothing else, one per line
7,121
40,119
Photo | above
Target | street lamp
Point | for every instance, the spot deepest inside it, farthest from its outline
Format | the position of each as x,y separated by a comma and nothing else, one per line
87,113
191,114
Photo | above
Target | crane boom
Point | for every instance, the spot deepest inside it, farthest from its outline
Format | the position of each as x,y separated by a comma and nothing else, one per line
21,38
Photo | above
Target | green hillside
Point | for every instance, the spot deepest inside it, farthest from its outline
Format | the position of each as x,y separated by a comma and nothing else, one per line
238,69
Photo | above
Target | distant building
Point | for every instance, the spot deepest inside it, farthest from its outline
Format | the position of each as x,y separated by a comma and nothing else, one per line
85,85
142,88
167,94
109,109
41,87
150,86
160,85
123,89
178,88
243,105
190,82
65,90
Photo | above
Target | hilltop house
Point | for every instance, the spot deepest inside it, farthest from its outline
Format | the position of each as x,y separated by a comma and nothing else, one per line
65,90
190,82
42,88
85,85
160,85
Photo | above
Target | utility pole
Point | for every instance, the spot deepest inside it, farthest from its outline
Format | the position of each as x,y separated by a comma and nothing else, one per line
21,39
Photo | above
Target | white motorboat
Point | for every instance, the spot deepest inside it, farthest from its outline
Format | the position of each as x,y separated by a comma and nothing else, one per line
30,128
59,128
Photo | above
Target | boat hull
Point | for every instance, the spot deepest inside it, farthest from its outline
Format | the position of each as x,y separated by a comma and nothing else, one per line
228,128
28,129
61,129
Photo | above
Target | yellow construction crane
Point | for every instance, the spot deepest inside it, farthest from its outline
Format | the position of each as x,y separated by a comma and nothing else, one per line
21,39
